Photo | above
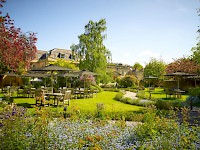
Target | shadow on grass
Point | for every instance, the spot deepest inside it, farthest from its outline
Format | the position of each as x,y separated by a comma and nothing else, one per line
171,99
26,105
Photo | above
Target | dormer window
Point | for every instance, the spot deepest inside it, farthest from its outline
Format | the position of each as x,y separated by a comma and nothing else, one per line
62,55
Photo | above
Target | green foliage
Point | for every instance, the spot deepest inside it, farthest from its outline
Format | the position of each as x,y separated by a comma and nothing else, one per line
196,50
167,104
96,87
127,81
23,132
100,110
111,89
87,130
106,77
127,100
119,96
194,91
141,94
162,133
64,63
91,51
137,66
155,68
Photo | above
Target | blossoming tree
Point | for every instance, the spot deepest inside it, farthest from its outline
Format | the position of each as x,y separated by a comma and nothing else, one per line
17,49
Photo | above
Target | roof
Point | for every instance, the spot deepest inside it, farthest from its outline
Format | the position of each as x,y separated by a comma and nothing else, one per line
40,54
53,54
60,53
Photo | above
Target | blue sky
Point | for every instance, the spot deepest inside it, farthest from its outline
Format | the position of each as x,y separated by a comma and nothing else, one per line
136,29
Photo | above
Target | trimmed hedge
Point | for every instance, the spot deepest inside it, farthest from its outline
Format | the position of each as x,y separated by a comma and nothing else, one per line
127,100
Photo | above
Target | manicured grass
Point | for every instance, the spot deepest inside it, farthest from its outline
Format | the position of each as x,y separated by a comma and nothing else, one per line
88,104
107,99
159,93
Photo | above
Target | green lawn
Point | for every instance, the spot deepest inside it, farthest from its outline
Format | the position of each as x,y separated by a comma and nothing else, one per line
159,93
107,99
88,104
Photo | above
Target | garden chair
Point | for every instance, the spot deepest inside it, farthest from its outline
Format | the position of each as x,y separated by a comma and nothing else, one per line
39,97
169,91
20,92
73,94
66,98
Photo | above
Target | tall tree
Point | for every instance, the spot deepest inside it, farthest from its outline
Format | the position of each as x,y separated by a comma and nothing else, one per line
17,49
155,68
137,66
91,51
196,50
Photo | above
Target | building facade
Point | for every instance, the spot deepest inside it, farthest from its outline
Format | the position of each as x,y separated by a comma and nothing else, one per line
43,58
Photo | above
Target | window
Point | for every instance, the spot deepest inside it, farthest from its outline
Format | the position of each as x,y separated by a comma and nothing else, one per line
62,56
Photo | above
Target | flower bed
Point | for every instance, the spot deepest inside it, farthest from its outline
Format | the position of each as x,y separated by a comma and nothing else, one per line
19,131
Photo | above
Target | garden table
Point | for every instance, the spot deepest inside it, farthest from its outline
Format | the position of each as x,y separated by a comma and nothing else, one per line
178,92
55,95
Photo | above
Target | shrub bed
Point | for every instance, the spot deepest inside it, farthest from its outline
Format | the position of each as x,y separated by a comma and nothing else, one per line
167,104
120,97
19,131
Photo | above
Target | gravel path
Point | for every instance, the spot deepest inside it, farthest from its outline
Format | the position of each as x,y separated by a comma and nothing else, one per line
131,95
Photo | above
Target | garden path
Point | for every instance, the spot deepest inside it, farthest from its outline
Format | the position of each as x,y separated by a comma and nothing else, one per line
131,95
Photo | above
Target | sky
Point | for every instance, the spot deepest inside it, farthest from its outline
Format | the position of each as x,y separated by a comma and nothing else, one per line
137,30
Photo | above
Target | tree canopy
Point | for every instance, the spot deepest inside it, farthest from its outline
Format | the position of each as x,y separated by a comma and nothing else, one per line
196,50
155,68
91,51
186,65
137,66
64,63
17,49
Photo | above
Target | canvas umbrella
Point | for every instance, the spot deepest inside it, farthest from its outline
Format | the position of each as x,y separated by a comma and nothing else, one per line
36,80
150,78
195,79
37,75
178,75
66,75
85,72
52,68
11,75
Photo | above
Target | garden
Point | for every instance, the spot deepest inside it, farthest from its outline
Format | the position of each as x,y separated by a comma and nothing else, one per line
79,99
102,122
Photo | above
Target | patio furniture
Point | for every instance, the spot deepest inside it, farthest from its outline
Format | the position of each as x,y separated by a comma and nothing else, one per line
178,93
65,98
52,68
169,92
40,98
54,96
20,92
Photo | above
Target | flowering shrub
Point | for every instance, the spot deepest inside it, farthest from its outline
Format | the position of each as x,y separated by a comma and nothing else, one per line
87,80
18,131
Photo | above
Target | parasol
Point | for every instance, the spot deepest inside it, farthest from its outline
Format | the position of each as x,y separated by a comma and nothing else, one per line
67,75
52,68
178,75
